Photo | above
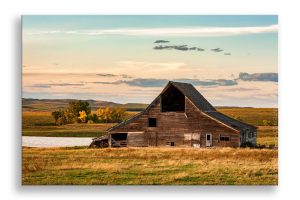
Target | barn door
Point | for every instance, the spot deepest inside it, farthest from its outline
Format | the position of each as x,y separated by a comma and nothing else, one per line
208,140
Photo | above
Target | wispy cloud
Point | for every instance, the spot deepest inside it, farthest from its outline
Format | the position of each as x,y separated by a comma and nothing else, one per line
113,75
177,47
217,50
106,75
178,31
161,41
152,82
49,85
272,77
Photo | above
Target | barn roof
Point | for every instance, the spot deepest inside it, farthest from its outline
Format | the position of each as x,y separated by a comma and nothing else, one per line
199,101
229,121
192,93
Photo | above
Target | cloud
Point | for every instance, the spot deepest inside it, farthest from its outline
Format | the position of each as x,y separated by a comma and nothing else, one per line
227,54
177,47
272,77
152,82
49,85
106,75
113,75
217,50
140,82
213,82
176,31
200,49
161,41
125,76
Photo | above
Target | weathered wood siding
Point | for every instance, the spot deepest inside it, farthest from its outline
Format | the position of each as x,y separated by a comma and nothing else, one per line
183,128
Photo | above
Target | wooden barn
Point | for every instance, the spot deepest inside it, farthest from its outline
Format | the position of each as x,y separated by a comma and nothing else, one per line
181,117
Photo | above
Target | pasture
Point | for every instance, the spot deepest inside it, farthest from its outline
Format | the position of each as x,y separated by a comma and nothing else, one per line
132,166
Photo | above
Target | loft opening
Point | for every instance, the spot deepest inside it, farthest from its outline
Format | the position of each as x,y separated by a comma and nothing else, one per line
151,122
172,100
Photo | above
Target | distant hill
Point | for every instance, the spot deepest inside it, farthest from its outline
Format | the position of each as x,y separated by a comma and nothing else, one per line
29,104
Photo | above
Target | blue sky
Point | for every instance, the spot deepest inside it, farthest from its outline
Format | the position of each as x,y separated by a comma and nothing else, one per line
99,55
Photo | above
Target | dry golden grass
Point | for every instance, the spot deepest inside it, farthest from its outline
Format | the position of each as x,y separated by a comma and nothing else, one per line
267,135
149,166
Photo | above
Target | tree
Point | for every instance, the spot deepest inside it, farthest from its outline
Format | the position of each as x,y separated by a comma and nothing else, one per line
82,116
56,115
73,109
59,117
117,115
93,118
111,114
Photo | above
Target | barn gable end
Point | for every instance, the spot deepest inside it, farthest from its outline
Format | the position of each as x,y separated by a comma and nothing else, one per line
181,116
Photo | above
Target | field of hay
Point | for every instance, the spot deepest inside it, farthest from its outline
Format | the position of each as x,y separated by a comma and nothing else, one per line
168,166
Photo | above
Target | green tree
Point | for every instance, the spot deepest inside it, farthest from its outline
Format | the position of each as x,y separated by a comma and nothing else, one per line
73,109
55,115
93,118
59,117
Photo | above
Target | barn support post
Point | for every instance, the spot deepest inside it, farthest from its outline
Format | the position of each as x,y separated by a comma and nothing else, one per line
109,140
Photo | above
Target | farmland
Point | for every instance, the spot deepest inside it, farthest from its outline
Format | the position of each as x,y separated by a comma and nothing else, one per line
170,166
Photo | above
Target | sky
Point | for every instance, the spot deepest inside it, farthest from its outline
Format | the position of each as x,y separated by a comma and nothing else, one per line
231,60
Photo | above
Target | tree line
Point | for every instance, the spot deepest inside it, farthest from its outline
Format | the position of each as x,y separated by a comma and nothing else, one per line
80,112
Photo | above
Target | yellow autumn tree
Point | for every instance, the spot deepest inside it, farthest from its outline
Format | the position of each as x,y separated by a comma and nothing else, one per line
82,116
110,114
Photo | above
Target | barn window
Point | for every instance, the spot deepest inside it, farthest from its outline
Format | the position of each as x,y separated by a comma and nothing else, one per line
152,122
172,144
224,138
172,100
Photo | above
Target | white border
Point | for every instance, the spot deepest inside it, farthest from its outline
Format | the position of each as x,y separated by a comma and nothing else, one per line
289,98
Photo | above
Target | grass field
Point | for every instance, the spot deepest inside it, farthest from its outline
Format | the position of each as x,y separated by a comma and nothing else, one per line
225,166
254,116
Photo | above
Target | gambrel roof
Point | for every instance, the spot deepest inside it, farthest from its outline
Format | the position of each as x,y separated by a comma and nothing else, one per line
189,91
